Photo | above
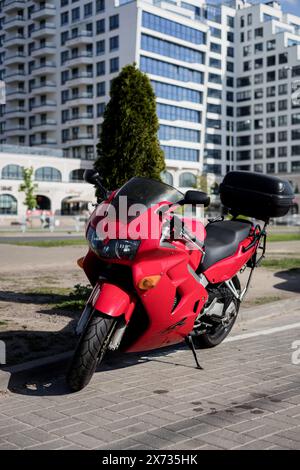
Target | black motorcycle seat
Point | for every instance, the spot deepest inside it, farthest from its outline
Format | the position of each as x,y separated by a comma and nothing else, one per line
222,240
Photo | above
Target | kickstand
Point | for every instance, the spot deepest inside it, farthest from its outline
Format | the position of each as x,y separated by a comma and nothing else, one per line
190,343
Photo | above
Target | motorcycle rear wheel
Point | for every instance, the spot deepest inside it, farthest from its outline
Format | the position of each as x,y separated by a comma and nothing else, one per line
215,335
90,350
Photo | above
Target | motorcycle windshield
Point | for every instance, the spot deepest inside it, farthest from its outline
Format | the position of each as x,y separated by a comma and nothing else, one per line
147,192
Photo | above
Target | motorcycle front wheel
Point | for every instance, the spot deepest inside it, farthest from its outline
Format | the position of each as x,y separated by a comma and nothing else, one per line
218,331
90,350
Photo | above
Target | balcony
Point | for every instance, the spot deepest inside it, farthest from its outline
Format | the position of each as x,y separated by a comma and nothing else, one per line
46,106
15,130
43,69
48,29
46,49
15,76
83,99
11,5
16,58
14,94
46,11
47,142
17,22
83,78
14,40
84,37
15,112
45,88
84,58
81,119
80,139
42,126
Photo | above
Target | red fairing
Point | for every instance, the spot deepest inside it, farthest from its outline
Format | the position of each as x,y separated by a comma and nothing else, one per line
228,267
122,303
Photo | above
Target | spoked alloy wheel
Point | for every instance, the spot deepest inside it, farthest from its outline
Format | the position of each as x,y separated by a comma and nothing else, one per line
218,326
90,350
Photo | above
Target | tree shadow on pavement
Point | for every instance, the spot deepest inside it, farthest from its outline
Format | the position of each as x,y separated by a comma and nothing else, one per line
50,380
290,280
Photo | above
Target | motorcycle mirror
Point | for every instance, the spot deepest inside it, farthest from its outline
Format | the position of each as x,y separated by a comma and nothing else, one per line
196,197
92,177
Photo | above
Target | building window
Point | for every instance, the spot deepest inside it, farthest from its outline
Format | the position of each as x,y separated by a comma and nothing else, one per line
172,28
167,178
178,133
113,22
271,45
75,14
100,47
8,204
165,69
282,167
282,151
76,175
64,18
101,89
187,180
259,32
216,48
114,65
100,6
114,43
178,93
169,49
88,9
47,174
213,139
180,153
100,68
100,109
12,172
100,26
214,78
271,61
176,113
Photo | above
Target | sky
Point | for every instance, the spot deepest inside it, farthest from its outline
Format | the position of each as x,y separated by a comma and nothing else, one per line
291,6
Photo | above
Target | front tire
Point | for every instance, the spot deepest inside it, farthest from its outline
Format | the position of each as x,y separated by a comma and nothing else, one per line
90,350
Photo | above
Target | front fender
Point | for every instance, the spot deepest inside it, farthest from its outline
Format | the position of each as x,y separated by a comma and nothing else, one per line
112,300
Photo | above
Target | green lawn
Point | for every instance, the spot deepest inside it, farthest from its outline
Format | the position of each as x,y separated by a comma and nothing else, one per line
282,263
283,237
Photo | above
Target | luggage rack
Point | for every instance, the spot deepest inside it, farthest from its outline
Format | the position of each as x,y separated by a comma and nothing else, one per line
260,237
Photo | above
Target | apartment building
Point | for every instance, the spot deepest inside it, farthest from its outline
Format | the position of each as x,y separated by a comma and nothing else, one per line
223,76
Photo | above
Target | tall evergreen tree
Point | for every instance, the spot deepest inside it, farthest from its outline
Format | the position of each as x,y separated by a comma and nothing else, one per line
129,144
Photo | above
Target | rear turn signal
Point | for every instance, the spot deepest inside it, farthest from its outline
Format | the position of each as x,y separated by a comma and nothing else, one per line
80,262
148,282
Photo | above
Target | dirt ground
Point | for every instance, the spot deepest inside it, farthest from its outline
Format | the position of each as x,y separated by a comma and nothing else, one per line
33,281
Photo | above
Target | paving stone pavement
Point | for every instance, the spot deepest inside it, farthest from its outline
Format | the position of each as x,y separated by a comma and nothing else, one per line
247,397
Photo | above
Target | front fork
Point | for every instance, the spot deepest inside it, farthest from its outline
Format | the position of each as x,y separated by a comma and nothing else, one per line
110,300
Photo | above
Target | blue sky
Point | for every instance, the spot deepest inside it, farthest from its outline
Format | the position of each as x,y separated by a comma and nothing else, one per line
291,6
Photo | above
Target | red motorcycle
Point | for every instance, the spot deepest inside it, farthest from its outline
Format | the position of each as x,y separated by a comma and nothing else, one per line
178,280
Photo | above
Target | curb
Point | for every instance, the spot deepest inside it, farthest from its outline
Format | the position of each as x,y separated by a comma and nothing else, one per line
14,375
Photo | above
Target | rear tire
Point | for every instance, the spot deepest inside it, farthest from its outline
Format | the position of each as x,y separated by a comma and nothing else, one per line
90,351
215,336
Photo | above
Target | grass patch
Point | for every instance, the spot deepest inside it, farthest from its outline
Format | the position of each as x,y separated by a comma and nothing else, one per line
48,243
3,322
263,300
50,291
283,237
282,263
77,298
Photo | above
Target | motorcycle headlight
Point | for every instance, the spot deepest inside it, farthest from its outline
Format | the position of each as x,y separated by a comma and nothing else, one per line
118,249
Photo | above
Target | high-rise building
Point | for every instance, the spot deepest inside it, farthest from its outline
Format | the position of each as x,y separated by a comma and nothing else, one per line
225,77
